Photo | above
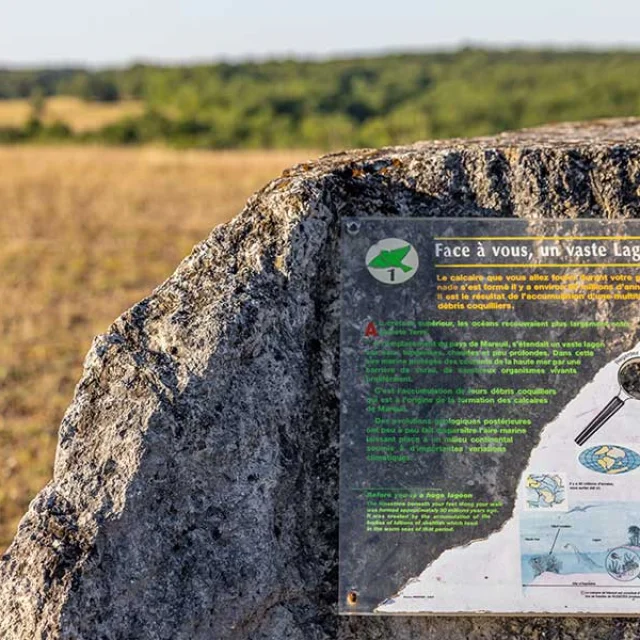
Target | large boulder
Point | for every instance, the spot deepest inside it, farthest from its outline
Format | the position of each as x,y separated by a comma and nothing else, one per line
195,485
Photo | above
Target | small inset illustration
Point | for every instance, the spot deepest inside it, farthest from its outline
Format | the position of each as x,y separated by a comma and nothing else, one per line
595,543
629,381
610,459
623,563
546,491
392,261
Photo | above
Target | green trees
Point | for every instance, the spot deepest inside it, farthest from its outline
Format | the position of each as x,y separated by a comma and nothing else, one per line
352,102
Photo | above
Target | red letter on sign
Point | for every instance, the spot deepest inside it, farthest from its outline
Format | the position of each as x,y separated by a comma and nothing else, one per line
371,331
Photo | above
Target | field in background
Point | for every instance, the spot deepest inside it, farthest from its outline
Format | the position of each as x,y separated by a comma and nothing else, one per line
84,234
77,114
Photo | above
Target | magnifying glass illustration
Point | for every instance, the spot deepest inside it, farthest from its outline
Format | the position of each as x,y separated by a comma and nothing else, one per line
629,380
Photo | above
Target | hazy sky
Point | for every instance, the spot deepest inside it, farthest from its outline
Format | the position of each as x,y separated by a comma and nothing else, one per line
118,31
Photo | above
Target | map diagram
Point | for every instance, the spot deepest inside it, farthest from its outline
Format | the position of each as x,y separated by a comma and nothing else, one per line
609,459
545,491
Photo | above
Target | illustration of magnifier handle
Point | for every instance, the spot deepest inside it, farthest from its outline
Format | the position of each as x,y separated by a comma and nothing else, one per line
629,380
614,405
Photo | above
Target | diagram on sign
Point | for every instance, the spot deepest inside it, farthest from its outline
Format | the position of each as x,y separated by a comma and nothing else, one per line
546,491
591,544
609,459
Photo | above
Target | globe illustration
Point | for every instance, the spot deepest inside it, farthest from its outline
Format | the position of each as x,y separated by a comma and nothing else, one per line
609,459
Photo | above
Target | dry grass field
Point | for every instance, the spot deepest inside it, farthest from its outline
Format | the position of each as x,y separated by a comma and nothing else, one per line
85,233
77,114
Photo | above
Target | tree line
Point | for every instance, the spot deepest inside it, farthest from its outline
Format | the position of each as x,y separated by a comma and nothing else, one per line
369,101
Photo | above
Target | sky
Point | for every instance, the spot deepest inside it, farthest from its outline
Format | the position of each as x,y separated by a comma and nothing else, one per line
116,32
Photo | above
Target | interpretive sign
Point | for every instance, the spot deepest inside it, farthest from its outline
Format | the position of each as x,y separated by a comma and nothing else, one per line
490,422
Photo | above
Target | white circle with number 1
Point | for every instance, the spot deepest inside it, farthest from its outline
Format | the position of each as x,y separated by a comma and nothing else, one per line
392,261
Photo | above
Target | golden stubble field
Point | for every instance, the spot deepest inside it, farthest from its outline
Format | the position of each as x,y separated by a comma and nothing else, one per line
79,115
85,233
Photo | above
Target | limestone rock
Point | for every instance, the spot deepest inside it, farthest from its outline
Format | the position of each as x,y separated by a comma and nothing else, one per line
195,486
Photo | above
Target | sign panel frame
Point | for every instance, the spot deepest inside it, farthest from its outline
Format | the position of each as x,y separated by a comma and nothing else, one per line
489,462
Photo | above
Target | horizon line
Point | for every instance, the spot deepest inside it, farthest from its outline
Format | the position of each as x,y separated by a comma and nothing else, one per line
329,56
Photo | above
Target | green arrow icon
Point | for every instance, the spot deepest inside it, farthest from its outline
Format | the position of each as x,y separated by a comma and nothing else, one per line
392,258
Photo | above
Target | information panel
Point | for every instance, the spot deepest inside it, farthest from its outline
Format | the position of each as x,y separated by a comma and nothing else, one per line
490,416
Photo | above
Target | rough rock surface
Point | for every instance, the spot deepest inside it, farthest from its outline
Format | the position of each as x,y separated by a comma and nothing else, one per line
195,485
